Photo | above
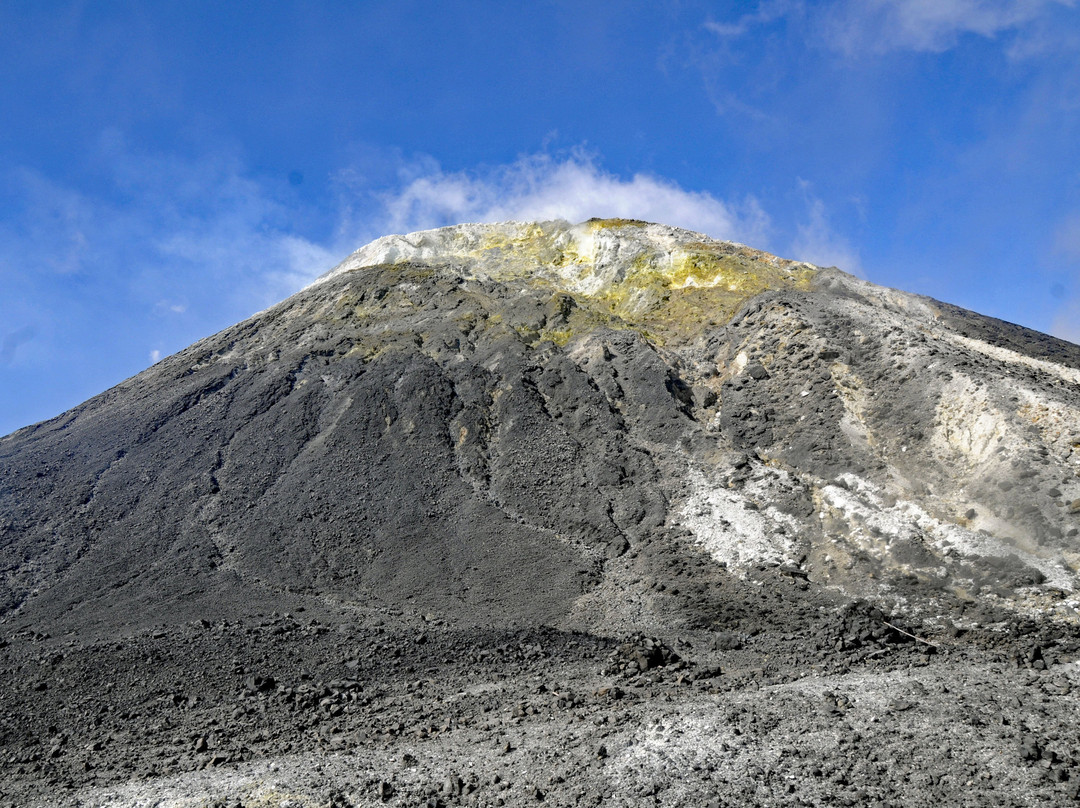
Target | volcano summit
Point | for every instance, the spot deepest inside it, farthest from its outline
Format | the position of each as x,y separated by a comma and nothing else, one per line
608,513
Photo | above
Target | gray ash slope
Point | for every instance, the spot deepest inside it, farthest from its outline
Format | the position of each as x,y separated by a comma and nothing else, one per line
358,526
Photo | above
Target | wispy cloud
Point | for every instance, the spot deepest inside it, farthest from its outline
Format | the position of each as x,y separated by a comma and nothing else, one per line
858,27
818,242
156,251
209,216
158,223
572,187
54,224
11,342
875,27
1067,238
1066,322
764,14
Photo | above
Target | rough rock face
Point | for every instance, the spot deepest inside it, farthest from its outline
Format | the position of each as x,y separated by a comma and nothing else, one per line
685,457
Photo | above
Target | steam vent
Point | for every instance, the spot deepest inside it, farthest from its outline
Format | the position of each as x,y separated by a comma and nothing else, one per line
548,514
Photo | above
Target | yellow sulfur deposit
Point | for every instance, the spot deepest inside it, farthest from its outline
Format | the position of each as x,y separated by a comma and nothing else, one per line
665,282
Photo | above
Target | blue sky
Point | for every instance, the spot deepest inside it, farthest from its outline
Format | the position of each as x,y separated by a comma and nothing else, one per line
169,168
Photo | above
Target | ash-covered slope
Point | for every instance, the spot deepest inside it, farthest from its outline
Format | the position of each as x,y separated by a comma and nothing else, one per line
474,419
425,508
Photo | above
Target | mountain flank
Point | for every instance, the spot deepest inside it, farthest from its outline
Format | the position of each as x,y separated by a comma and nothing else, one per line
608,513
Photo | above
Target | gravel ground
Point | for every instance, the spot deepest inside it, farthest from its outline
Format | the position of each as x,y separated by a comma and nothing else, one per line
817,703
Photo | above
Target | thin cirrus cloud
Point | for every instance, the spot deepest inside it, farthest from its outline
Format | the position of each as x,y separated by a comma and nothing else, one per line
11,341
52,232
162,228
1066,323
876,27
765,13
163,250
817,241
857,27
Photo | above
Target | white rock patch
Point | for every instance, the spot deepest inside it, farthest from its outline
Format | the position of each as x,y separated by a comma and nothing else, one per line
873,525
731,532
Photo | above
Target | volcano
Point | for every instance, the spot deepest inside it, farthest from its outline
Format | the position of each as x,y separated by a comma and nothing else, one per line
606,513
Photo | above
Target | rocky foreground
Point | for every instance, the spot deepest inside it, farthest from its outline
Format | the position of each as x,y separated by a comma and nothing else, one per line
605,514
796,701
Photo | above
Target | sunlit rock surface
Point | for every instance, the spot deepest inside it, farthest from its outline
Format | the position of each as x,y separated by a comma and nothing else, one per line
592,430
553,394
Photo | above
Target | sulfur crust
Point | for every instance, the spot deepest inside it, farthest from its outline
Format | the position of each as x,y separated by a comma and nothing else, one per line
665,283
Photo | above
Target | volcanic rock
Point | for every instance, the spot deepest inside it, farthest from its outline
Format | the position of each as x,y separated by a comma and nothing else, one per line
347,550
